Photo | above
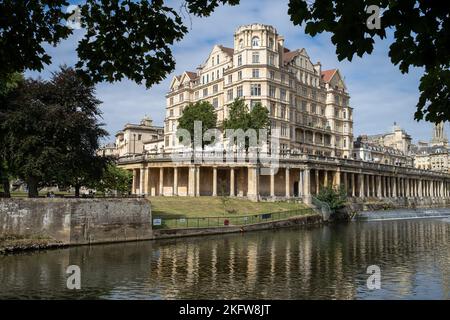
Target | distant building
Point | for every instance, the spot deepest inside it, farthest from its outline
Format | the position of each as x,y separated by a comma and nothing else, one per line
365,150
135,139
435,154
108,150
397,139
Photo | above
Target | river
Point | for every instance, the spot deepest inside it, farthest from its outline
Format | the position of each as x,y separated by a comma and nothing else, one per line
327,262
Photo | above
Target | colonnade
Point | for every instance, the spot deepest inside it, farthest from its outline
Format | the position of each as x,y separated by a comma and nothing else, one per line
284,182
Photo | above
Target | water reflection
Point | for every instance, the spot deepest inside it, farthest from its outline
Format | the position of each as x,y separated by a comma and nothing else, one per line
319,263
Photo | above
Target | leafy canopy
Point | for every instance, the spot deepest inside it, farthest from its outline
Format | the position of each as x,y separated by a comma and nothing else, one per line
122,38
202,111
334,197
51,131
114,179
240,117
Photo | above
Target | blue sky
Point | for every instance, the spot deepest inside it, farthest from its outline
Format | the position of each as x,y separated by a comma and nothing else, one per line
380,94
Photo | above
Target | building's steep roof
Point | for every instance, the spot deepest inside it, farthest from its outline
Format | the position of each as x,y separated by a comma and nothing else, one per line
290,55
328,74
191,75
228,51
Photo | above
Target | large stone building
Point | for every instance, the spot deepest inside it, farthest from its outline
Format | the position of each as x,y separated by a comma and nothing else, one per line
309,106
434,155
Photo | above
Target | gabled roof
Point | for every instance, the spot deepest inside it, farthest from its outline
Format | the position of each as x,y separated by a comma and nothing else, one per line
290,55
328,74
228,51
191,75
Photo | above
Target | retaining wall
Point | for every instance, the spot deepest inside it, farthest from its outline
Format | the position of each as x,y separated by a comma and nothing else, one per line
76,221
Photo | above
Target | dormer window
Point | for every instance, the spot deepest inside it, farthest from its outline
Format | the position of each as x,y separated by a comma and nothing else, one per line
255,42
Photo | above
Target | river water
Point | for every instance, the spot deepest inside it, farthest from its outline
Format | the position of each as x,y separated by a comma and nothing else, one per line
315,263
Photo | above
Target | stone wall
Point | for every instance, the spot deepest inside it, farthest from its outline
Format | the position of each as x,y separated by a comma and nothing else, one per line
360,205
76,221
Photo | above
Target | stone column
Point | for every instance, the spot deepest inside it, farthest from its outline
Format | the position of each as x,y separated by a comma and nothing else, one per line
344,176
288,183
361,185
300,184
420,188
141,181
408,188
191,182
317,181
148,184
337,178
307,186
133,186
197,182
272,183
374,186
353,185
214,182
231,182
379,195
175,181
367,182
325,178
253,185
394,189
161,181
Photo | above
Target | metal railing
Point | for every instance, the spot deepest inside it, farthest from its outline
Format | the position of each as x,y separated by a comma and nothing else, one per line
167,222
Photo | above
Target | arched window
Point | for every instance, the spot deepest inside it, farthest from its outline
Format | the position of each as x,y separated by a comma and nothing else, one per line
255,42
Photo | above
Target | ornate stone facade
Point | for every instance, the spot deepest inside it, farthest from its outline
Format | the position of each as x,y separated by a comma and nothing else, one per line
310,106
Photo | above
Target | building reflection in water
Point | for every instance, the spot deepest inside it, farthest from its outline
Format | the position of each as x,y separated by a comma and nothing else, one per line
328,262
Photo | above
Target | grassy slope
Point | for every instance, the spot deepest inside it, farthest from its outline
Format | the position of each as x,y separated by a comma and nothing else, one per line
213,206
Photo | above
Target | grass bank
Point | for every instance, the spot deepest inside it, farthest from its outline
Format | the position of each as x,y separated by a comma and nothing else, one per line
216,206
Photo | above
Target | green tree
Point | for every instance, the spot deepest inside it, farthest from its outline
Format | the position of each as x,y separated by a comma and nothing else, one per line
239,117
114,179
420,38
199,111
123,38
82,129
9,83
51,131
334,197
